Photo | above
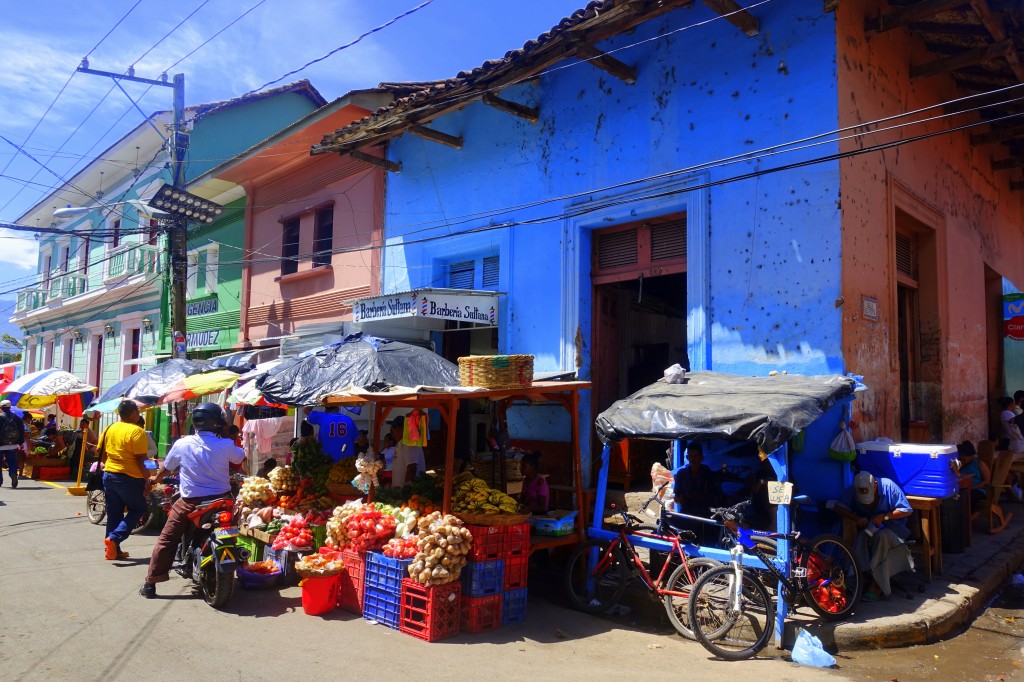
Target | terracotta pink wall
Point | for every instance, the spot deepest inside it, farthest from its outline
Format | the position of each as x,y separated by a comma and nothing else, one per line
278,305
945,183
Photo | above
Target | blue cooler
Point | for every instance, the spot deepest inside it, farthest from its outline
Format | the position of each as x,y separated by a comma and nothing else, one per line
917,468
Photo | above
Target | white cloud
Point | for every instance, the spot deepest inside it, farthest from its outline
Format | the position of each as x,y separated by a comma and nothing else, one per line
17,251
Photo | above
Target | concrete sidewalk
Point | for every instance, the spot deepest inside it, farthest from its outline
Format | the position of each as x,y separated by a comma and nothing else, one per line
969,580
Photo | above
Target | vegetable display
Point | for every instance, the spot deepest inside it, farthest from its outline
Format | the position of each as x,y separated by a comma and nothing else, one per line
268,567
474,496
294,536
337,526
369,528
443,545
284,480
402,548
317,565
256,492
342,472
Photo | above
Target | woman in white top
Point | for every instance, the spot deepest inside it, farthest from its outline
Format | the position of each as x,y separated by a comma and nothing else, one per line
1009,427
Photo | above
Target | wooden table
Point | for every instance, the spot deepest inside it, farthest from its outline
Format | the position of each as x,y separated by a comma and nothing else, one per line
931,532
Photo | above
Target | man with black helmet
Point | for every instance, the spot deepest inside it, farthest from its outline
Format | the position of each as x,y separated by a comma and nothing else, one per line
202,462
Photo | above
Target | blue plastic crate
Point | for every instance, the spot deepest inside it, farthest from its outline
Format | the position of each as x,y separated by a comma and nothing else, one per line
382,607
483,578
386,573
513,607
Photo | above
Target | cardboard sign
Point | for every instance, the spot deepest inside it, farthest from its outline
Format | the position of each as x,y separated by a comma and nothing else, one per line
780,493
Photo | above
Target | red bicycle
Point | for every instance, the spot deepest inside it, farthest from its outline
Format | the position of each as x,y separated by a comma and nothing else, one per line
599,571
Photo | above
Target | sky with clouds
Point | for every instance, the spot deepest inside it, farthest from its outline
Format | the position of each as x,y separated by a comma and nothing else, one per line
43,41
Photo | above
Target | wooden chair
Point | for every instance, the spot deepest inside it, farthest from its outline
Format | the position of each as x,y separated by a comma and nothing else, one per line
998,518
987,452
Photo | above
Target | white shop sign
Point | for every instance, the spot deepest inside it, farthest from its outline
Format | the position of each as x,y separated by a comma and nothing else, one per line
479,309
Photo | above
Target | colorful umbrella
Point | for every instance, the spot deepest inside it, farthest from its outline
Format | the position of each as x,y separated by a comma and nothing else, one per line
51,386
150,385
196,385
250,394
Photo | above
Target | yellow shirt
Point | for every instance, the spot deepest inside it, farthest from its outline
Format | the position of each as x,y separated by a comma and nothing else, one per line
124,443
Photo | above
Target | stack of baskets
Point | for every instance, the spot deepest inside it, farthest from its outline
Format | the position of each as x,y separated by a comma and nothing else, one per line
496,371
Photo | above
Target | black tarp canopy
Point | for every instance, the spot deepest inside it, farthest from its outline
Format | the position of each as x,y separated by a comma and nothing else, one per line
712,405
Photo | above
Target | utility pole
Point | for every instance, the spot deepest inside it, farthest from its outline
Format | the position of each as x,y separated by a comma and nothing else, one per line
177,235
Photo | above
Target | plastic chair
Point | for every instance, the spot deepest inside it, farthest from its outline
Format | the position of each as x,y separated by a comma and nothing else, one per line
997,517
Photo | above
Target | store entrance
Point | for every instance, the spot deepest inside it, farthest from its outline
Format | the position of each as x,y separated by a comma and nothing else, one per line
639,324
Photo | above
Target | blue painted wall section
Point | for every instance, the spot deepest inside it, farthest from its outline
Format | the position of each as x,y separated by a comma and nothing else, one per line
763,254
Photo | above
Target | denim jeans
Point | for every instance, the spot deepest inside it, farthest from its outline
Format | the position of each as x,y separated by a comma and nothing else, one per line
123,492
12,463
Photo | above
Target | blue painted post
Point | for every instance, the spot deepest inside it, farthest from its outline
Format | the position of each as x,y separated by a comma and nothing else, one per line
677,454
780,463
602,488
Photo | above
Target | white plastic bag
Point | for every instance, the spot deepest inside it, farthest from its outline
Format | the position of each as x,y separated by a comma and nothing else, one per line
675,374
661,476
809,651
843,448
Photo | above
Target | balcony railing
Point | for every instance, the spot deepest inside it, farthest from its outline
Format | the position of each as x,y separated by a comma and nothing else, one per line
30,299
134,259
58,287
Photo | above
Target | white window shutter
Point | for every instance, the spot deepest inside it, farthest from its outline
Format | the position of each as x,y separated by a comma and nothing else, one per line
211,270
190,279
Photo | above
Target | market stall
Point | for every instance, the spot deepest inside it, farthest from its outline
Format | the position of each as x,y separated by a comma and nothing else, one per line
790,419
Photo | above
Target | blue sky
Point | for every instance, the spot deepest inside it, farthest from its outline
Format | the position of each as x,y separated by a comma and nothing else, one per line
43,41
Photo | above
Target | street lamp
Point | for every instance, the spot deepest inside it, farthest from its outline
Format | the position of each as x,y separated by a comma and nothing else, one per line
184,205
75,211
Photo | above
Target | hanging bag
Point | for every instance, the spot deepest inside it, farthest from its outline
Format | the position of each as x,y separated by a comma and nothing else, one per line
843,448
96,472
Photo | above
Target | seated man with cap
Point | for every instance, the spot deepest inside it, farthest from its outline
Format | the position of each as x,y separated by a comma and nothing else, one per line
880,510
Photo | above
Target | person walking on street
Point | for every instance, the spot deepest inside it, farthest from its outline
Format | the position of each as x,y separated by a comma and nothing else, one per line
123,448
12,439
202,461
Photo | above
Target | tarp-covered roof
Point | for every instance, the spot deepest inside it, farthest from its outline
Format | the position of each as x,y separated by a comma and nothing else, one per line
712,405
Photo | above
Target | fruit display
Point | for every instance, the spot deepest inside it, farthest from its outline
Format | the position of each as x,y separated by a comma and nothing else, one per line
402,548
268,567
305,498
295,536
256,492
307,456
422,505
473,496
368,528
337,526
317,566
284,480
443,546
343,471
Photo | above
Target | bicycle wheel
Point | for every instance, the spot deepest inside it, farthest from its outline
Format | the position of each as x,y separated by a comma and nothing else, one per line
727,632
95,506
834,584
595,577
682,580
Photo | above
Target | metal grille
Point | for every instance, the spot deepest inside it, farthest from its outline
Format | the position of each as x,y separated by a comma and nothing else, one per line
668,240
461,275
491,271
617,249
905,261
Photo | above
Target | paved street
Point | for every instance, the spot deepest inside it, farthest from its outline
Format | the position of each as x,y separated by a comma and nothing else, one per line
67,614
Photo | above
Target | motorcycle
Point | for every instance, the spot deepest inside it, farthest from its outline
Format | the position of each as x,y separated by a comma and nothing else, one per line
208,552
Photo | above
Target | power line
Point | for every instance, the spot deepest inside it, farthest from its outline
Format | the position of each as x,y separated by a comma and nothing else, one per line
347,45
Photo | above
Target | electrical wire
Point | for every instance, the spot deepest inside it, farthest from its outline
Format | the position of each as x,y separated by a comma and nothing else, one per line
347,45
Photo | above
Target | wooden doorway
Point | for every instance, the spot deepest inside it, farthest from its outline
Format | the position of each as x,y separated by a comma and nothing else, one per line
639,321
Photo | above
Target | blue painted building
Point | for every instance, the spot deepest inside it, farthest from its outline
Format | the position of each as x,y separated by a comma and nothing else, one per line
594,171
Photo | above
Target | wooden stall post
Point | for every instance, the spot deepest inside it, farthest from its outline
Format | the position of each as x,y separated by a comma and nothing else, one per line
449,409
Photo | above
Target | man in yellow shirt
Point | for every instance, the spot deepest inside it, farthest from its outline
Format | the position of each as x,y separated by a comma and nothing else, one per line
123,447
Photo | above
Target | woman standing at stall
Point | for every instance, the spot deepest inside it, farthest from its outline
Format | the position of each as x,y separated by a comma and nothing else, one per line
535,495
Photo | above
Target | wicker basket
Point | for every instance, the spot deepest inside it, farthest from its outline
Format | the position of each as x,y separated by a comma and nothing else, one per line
496,371
492,519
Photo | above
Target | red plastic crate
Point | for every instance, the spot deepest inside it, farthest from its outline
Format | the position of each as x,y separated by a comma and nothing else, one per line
516,568
350,589
488,543
51,473
481,614
517,539
430,613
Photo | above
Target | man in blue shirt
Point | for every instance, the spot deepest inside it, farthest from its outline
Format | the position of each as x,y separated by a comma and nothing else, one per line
337,434
881,510
203,462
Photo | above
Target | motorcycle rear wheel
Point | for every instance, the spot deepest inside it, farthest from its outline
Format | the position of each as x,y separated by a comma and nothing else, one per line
216,586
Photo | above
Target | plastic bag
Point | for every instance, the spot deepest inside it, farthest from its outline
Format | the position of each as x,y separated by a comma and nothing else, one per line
660,476
675,374
843,448
809,651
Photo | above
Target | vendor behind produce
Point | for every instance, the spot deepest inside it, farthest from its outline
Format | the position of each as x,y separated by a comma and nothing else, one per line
535,487
337,432
408,460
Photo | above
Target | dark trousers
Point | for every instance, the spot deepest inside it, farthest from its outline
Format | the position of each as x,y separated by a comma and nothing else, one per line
10,457
163,553
123,492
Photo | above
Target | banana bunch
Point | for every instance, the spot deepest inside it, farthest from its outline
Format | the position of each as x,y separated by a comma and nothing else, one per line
344,471
474,496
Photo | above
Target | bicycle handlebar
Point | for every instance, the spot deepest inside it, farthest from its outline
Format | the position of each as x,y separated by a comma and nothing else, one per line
730,513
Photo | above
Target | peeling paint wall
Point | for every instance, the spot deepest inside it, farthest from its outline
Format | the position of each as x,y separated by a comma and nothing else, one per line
763,277
976,220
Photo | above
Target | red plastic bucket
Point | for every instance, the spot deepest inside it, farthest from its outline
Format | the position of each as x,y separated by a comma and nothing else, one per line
319,595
